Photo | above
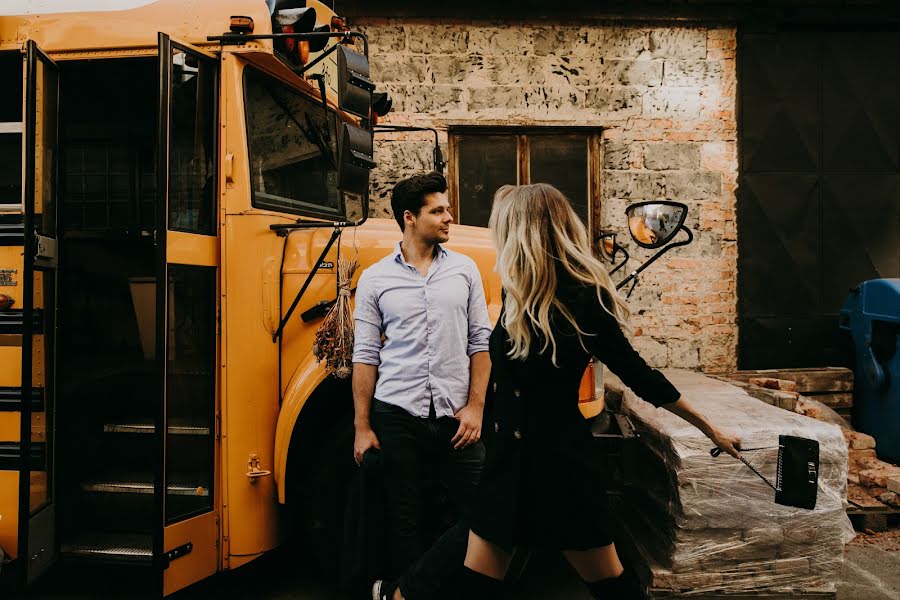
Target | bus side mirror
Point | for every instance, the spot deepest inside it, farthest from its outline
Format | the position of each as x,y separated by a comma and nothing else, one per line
652,224
356,160
354,86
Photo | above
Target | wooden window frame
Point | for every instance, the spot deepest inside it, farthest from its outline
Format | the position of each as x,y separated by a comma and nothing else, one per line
523,169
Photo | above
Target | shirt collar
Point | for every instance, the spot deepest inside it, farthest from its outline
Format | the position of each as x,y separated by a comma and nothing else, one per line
398,255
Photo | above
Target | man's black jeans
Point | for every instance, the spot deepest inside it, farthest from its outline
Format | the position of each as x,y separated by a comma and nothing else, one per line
412,447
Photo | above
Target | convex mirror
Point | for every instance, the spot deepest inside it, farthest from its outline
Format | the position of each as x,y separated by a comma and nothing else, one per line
652,224
606,244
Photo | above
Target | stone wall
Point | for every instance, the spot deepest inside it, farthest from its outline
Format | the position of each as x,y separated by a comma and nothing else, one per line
664,97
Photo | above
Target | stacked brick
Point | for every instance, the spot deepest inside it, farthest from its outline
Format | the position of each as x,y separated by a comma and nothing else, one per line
705,524
872,482
662,98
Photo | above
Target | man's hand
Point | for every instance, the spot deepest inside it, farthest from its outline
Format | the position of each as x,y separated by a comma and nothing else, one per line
365,438
469,430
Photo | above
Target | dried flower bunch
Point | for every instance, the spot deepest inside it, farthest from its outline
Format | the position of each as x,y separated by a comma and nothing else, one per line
334,339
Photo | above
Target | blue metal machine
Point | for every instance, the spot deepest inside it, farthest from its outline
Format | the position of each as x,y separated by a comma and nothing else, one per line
872,316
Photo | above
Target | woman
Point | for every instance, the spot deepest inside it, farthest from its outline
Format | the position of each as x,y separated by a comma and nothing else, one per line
540,486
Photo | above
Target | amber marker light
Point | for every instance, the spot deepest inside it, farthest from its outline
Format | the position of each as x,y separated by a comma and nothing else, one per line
303,51
339,24
241,24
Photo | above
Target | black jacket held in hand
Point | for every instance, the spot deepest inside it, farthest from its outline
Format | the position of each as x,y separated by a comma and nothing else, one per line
363,551
541,484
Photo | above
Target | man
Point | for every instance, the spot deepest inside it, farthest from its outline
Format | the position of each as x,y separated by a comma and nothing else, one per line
420,370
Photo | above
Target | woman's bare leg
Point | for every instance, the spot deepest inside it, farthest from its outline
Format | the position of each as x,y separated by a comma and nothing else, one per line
486,558
593,564
603,574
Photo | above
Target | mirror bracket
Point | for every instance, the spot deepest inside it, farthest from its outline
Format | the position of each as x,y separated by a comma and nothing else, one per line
439,162
634,274
312,273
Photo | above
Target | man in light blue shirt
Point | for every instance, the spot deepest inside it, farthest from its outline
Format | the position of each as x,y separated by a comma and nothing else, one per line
421,366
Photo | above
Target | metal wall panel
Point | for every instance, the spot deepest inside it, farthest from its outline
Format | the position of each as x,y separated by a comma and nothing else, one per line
818,201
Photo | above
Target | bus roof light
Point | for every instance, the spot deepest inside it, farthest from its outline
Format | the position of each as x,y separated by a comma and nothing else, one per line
295,20
338,24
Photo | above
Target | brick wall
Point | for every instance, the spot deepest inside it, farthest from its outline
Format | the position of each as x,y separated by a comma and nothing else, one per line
665,98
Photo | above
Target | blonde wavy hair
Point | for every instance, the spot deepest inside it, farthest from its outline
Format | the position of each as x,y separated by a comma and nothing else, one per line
536,231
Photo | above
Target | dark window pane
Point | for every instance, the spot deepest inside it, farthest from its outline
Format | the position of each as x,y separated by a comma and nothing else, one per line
11,168
190,390
11,141
98,178
293,151
561,160
11,65
192,152
486,162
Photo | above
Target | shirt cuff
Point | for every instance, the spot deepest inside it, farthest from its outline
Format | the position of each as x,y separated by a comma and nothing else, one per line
476,348
367,357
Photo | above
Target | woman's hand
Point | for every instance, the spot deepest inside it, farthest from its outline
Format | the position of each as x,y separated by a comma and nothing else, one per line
726,441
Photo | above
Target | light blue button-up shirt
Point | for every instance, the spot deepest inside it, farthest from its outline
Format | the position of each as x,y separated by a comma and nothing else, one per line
431,325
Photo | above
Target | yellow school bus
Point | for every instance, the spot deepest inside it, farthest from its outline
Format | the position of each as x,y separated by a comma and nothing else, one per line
176,182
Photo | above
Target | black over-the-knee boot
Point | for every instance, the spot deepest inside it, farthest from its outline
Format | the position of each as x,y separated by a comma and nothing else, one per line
476,586
624,587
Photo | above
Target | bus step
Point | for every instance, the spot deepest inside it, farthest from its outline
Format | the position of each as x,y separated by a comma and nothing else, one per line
141,483
146,426
109,547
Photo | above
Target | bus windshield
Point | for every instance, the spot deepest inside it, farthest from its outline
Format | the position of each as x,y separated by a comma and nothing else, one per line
293,149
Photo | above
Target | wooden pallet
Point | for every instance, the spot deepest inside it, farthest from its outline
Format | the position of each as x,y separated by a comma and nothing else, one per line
828,593
809,381
832,386
874,515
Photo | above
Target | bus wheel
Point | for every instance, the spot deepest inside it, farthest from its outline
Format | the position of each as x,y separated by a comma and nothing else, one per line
321,487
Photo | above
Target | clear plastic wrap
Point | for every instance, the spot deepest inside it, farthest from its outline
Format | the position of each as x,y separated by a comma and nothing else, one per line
702,523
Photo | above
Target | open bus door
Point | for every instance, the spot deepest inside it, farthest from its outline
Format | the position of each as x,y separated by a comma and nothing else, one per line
187,242
36,517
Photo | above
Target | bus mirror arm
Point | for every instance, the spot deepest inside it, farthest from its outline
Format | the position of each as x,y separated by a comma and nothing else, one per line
320,78
633,277
439,162
317,60
312,273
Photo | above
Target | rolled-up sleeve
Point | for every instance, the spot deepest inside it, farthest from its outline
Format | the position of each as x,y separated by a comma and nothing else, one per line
479,321
368,324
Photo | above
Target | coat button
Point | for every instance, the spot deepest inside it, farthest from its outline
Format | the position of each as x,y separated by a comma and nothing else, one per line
516,393
496,427
517,434
495,387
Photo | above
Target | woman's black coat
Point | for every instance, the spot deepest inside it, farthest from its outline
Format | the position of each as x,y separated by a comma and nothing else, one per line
541,484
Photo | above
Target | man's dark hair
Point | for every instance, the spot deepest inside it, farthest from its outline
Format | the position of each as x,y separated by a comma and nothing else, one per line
410,193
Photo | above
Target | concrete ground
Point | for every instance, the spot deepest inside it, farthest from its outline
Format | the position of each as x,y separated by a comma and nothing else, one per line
871,572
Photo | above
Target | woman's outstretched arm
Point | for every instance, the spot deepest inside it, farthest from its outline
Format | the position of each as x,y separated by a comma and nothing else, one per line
725,440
